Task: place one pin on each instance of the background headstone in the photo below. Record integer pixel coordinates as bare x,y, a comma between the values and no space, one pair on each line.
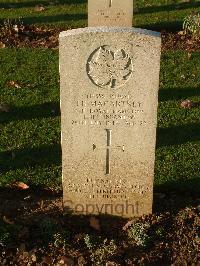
109,96
110,13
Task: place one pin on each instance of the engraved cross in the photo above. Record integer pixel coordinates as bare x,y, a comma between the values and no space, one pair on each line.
110,3
108,150
109,139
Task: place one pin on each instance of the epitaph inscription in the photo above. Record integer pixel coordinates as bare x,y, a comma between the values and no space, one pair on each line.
108,68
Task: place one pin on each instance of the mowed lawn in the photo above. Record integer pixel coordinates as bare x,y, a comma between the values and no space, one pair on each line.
30,132
29,84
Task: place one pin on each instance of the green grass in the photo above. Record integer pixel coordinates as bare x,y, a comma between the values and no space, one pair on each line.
178,149
153,14
30,132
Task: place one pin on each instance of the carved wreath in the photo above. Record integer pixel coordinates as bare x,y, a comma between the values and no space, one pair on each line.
108,69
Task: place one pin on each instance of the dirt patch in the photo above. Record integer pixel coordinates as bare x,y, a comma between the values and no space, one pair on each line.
34,231
25,205
36,37
180,41
28,36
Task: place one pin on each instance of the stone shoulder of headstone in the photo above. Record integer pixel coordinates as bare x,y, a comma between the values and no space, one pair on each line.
105,29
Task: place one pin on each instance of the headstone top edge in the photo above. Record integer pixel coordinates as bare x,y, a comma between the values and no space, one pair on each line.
108,29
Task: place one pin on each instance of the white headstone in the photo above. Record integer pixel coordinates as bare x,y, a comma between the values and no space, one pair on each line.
110,13
109,96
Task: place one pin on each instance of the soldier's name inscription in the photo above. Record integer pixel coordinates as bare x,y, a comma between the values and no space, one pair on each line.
112,109
106,15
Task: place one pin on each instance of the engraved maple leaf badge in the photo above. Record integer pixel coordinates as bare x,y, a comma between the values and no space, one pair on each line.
109,69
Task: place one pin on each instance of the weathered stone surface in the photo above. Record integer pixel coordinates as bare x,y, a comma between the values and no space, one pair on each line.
109,95
110,13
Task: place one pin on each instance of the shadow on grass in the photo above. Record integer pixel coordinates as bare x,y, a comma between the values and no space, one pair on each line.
13,192
50,19
171,7
28,4
31,157
51,155
178,93
177,135
190,187
45,110
166,25
13,5
178,194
